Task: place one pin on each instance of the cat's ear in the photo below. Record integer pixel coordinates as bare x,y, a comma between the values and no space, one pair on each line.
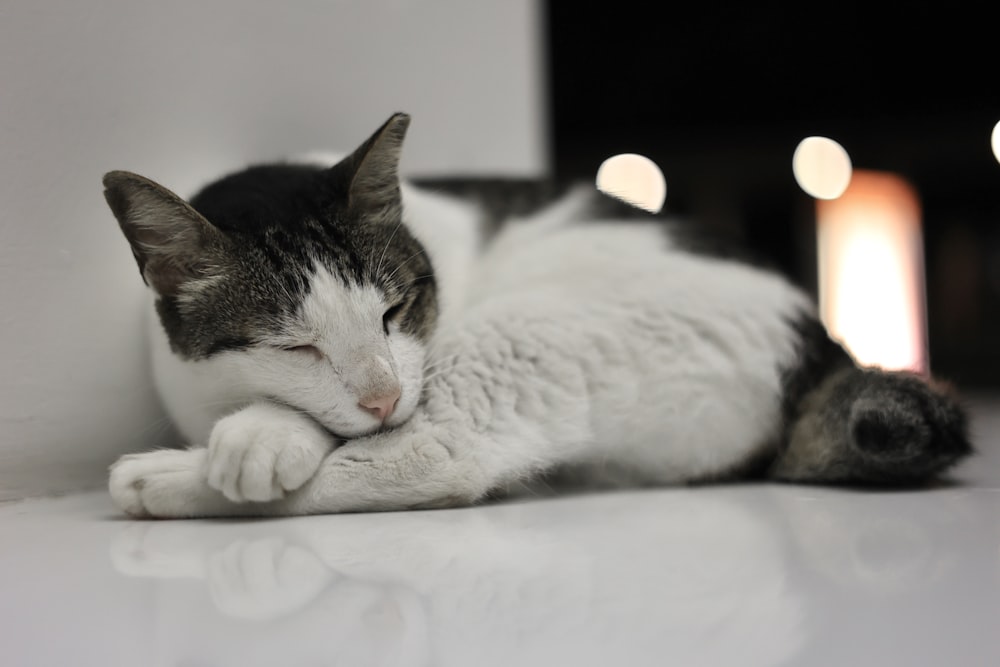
371,173
170,240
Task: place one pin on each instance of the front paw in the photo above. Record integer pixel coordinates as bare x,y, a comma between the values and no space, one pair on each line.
161,483
264,451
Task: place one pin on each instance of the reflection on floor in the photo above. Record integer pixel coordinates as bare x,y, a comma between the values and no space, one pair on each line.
736,575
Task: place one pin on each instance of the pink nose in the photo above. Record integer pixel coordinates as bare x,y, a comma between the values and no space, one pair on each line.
380,406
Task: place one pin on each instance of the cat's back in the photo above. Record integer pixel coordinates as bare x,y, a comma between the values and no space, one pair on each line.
583,248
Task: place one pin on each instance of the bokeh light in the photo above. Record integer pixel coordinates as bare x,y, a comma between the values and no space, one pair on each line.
995,141
634,179
822,167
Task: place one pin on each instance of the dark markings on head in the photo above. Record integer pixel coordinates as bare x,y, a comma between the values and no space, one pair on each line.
232,265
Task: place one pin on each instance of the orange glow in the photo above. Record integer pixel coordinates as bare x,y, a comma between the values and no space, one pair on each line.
871,272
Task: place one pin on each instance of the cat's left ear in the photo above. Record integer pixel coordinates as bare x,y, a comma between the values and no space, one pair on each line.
371,173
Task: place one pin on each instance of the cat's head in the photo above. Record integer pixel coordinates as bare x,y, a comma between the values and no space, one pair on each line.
297,284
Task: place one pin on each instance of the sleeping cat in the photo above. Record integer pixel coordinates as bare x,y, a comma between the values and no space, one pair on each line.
329,339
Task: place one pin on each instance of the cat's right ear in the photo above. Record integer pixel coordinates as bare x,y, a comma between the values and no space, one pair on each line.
169,239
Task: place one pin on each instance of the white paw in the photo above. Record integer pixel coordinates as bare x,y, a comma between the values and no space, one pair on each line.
264,578
162,483
264,451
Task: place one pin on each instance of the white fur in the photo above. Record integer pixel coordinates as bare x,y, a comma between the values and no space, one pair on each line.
594,347
345,323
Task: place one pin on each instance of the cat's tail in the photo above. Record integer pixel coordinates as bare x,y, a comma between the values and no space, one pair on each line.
869,426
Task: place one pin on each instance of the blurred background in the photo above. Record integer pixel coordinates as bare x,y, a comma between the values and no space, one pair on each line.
527,90
720,99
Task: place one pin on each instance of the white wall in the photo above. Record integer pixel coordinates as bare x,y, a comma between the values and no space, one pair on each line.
181,91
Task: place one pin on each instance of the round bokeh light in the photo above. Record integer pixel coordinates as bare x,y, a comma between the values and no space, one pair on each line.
995,141
822,167
635,179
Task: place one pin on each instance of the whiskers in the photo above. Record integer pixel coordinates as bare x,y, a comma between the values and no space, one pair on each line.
378,269
406,261
445,365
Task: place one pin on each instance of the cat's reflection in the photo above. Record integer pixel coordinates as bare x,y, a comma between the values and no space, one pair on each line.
678,577
662,577
877,543
261,594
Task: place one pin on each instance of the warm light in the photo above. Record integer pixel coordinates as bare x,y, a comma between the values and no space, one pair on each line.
995,141
871,274
634,179
822,167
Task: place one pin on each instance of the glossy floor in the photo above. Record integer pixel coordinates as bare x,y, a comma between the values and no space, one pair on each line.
738,575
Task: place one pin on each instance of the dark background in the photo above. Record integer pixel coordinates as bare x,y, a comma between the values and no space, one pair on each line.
720,99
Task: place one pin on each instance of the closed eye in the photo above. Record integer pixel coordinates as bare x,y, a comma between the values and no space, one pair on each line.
311,350
391,315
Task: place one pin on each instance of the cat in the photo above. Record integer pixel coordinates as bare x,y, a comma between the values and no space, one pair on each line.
331,339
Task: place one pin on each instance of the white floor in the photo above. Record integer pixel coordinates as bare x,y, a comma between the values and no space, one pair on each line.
739,575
